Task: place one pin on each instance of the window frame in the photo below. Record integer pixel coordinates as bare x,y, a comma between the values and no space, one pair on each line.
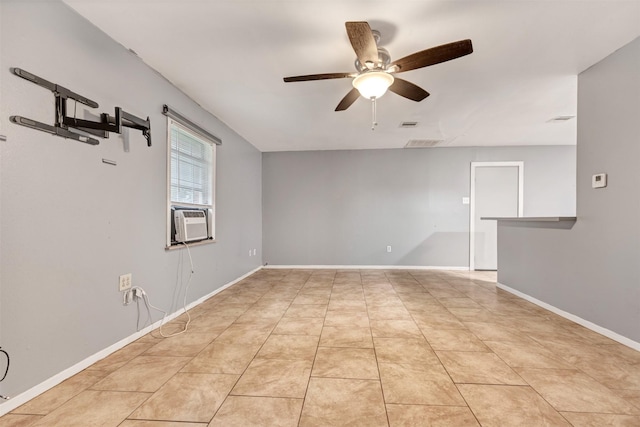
171,122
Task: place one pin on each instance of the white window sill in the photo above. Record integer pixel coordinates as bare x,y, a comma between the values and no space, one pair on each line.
191,245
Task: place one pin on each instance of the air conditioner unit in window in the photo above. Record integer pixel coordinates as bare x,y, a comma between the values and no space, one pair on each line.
190,225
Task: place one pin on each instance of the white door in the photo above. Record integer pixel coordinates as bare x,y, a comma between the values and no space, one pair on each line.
496,192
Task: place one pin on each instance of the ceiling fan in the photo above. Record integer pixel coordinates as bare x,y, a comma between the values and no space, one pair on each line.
375,71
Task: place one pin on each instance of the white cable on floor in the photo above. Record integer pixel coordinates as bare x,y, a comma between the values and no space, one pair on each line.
147,303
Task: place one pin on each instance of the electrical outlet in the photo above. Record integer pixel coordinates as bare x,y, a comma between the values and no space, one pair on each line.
388,248
125,282
254,252
249,252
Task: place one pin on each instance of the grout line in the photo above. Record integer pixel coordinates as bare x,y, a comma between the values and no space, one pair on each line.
375,354
313,362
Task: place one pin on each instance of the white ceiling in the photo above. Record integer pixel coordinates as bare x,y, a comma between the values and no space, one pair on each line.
231,55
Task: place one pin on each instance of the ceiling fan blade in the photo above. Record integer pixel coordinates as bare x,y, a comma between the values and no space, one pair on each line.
362,42
435,55
408,90
318,77
349,99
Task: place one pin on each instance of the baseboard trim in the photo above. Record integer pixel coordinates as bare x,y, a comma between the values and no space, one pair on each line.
579,320
37,390
363,267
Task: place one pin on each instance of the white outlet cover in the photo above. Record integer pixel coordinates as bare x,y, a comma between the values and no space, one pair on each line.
465,200
124,282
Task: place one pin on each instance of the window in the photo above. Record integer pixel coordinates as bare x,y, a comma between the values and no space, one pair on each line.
191,168
191,175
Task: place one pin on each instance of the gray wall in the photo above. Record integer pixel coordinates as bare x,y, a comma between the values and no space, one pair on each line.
345,207
70,225
593,269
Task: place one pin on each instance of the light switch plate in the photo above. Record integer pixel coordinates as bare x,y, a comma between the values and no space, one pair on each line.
599,180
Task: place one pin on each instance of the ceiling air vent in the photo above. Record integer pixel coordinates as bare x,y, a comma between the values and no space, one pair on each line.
408,124
422,143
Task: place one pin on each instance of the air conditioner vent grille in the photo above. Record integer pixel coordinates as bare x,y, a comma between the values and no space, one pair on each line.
190,225
193,214
408,124
422,143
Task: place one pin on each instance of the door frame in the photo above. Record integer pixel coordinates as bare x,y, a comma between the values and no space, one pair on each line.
472,200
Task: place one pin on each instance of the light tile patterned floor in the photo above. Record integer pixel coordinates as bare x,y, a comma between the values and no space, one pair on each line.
358,348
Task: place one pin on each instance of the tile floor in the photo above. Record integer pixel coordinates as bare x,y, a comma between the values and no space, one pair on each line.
357,348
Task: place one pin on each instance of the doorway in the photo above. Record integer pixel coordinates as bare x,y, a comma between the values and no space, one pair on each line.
496,191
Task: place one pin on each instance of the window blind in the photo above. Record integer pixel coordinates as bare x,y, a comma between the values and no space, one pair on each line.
191,167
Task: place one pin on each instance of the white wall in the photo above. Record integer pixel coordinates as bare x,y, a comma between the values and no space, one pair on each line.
592,270
70,225
345,207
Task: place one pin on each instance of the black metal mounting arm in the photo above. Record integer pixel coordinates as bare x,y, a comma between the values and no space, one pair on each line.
64,125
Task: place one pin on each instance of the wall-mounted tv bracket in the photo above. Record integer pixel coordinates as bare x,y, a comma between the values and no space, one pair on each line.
64,124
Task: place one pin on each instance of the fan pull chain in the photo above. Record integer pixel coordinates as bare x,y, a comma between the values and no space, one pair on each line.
374,122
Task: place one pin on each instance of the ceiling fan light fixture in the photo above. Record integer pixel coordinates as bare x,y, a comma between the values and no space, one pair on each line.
373,84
